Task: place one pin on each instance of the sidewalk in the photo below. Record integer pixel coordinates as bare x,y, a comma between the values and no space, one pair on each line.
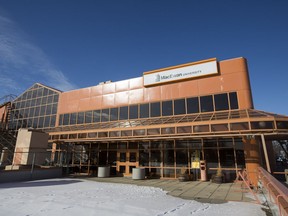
207,192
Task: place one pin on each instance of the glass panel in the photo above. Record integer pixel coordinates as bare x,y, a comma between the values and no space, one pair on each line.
123,113
227,158
262,125
66,119
168,157
155,109
112,158
282,125
105,115
132,157
123,157
184,129
47,121
170,130
144,158
206,103
133,145
221,102
181,158
96,115
61,120
155,158
133,112
88,117
144,110
167,108
233,100
153,131
179,107
193,105
73,118
122,145
54,108
80,118
239,126
169,173
114,114
49,109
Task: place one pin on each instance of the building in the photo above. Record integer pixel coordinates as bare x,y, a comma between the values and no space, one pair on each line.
166,121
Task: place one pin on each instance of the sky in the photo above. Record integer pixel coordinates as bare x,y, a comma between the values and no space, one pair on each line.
70,44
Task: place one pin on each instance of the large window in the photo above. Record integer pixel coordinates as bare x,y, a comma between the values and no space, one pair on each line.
206,103
36,108
221,102
193,105
167,108
155,109
133,112
179,107
144,110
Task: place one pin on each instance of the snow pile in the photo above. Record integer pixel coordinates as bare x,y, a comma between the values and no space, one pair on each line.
84,198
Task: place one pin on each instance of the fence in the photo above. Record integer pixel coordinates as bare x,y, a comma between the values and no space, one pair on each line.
276,193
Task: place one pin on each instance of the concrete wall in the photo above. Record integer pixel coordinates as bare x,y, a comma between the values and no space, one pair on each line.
30,141
26,175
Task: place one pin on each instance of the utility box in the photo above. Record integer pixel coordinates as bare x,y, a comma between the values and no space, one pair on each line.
203,171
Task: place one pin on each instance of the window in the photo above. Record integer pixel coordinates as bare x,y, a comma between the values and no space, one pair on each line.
133,112
193,105
179,107
73,118
233,100
105,115
221,102
88,117
155,109
123,113
206,103
167,108
144,110
96,115
80,118
114,114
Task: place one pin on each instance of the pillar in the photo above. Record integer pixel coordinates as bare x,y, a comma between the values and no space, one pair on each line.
252,158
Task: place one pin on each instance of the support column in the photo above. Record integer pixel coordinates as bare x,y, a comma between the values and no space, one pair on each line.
252,156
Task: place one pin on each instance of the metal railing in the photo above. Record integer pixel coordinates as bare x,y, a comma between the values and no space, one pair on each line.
276,193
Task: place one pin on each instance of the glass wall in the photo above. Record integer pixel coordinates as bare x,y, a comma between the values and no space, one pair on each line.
36,108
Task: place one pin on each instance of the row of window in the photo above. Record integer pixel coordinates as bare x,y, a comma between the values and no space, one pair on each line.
36,101
50,109
237,126
217,102
39,122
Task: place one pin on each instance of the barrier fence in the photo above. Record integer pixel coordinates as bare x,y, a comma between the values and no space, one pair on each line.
276,193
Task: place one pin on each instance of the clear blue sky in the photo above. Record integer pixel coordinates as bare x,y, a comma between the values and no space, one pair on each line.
71,44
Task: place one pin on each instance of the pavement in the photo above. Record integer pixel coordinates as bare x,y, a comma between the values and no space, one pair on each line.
207,192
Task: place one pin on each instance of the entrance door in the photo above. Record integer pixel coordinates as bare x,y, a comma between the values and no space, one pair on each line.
126,161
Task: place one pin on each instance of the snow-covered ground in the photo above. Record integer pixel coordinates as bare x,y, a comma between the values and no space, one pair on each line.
75,197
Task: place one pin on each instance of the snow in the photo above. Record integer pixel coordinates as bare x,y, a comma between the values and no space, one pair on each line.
76,197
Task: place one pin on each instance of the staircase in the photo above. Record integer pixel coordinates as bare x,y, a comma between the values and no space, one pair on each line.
7,137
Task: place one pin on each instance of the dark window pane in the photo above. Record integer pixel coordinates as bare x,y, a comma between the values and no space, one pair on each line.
105,115
66,119
42,110
123,113
167,108
206,103
44,100
53,121
50,99
133,112
40,123
88,117
73,118
114,114
49,109
233,100
61,120
54,108
37,111
80,118
155,109
55,99
179,107
221,102
144,110
47,121
96,115
193,105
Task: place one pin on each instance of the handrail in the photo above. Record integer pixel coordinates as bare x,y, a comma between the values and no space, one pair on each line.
276,189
